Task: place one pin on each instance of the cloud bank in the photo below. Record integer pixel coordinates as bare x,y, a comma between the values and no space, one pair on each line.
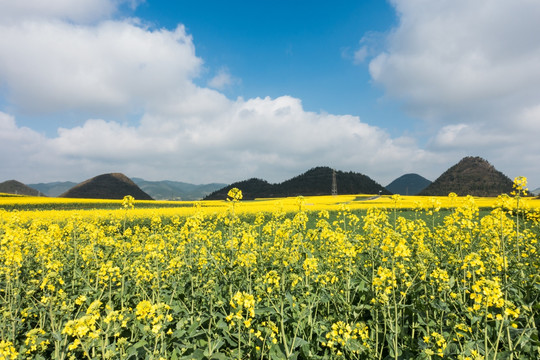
468,69
184,131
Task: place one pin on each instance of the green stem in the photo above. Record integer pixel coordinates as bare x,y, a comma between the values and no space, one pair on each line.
282,325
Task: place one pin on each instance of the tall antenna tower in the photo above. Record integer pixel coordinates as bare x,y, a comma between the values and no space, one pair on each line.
334,183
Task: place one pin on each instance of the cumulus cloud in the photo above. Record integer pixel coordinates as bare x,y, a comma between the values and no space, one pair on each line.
19,145
452,59
114,66
470,70
222,79
81,11
360,55
57,60
369,45
261,137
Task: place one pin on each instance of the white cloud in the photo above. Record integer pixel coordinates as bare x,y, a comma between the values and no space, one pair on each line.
369,45
470,70
81,11
222,79
528,119
115,66
450,59
361,54
54,60
19,146
268,138
474,137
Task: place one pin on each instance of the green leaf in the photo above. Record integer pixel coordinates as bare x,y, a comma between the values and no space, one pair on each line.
139,344
232,343
219,356
277,353
299,342
264,310
134,349
219,343
196,355
222,325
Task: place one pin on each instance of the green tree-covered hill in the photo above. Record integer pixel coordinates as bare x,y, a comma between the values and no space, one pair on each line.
316,181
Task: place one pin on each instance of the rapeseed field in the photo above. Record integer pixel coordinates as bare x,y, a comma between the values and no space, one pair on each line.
336,277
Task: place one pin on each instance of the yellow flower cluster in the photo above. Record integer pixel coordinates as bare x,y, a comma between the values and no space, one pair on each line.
268,331
35,341
436,344
342,335
384,282
7,350
440,279
244,304
128,202
235,194
520,186
310,266
109,273
86,324
156,315
271,282
473,355
473,264
487,293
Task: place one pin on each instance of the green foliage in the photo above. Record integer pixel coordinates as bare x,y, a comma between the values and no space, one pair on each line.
316,181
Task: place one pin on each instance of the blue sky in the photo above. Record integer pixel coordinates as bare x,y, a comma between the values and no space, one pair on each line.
213,91
304,49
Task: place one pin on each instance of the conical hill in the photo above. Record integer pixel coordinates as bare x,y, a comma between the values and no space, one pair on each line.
18,188
471,176
107,186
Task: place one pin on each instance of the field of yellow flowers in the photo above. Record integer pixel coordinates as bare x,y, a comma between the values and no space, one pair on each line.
351,277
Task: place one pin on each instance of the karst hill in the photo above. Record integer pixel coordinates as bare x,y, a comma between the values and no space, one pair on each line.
107,186
471,176
18,188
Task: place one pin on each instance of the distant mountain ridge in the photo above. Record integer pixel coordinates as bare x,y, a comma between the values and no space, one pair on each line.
408,184
470,176
316,181
107,186
53,188
176,190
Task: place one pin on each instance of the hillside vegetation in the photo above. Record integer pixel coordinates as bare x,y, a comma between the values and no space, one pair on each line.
18,188
471,176
316,181
107,186
408,184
